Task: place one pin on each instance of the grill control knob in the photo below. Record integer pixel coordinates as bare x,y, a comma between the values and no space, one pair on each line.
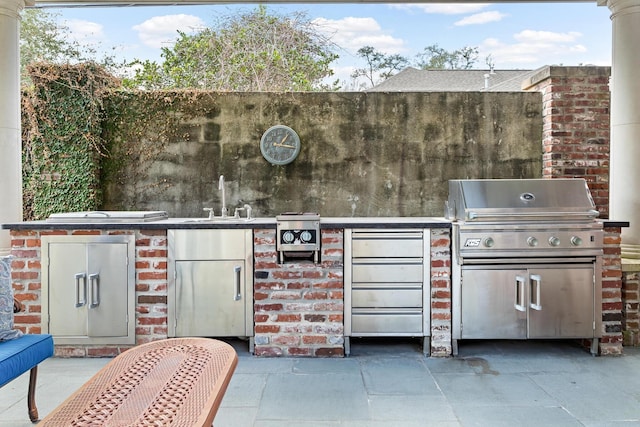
576,241
532,241
305,236
554,241
288,237
489,242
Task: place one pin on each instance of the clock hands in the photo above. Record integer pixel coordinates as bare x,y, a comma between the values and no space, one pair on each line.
282,144
276,144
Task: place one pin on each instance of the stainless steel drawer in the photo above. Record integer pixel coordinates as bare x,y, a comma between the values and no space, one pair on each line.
387,244
389,296
387,270
384,322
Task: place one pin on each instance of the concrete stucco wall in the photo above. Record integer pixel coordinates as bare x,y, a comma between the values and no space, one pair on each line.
363,154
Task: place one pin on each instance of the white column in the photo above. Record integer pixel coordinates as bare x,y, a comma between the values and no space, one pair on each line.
10,138
624,185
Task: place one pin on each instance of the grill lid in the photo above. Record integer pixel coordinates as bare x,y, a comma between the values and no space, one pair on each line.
520,200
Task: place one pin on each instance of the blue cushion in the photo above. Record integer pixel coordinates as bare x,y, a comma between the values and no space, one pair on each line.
19,355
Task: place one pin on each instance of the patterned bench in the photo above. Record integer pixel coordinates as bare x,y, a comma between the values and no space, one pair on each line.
177,381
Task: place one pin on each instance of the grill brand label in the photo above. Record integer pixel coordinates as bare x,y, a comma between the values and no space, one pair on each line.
472,243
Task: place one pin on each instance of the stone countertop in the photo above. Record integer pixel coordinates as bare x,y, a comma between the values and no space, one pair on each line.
203,223
269,222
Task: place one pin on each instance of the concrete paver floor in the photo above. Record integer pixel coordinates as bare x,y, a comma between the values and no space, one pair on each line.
390,383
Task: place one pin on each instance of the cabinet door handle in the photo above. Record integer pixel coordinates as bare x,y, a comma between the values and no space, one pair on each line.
94,280
536,284
81,282
237,269
519,305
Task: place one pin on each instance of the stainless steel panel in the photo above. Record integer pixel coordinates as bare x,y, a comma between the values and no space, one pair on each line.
207,302
65,261
107,216
386,322
387,270
387,295
397,245
502,199
528,301
88,289
488,304
565,306
107,301
208,244
210,289
473,240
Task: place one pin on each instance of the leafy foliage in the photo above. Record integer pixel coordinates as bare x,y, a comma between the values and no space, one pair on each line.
253,51
61,141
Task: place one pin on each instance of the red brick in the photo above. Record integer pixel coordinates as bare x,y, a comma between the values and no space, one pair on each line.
267,329
268,307
291,317
314,339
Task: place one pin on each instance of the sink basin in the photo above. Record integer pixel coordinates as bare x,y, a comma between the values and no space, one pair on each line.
219,219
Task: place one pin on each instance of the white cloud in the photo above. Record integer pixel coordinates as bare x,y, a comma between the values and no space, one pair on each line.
85,31
352,33
481,18
443,8
162,30
534,47
532,36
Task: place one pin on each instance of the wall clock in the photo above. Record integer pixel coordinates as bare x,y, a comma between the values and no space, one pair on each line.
280,145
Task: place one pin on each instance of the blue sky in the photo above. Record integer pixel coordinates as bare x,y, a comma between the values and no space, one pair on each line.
516,35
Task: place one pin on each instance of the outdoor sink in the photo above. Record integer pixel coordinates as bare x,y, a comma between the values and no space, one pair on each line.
219,219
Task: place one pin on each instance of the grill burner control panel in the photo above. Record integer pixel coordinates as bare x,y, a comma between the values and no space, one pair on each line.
524,240
298,235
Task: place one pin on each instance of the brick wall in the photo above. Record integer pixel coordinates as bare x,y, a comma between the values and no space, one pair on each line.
151,285
611,341
575,133
25,275
441,292
631,304
151,288
299,306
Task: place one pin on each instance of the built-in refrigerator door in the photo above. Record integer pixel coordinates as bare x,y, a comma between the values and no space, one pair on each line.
210,298
561,301
67,272
107,294
493,302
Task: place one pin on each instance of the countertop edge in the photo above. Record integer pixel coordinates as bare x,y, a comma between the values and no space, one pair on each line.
268,223
184,223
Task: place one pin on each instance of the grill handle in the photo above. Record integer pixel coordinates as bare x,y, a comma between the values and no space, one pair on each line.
473,215
519,304
536,283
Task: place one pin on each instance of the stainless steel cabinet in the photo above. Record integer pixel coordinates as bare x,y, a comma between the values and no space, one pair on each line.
88,289
385,275
210,283
535,301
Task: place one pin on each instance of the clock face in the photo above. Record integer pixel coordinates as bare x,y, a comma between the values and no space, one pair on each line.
280,145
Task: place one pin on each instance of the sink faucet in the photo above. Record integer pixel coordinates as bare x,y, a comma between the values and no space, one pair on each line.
224,198
245,208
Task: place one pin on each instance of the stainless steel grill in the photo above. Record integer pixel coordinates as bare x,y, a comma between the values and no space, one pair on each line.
527,260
